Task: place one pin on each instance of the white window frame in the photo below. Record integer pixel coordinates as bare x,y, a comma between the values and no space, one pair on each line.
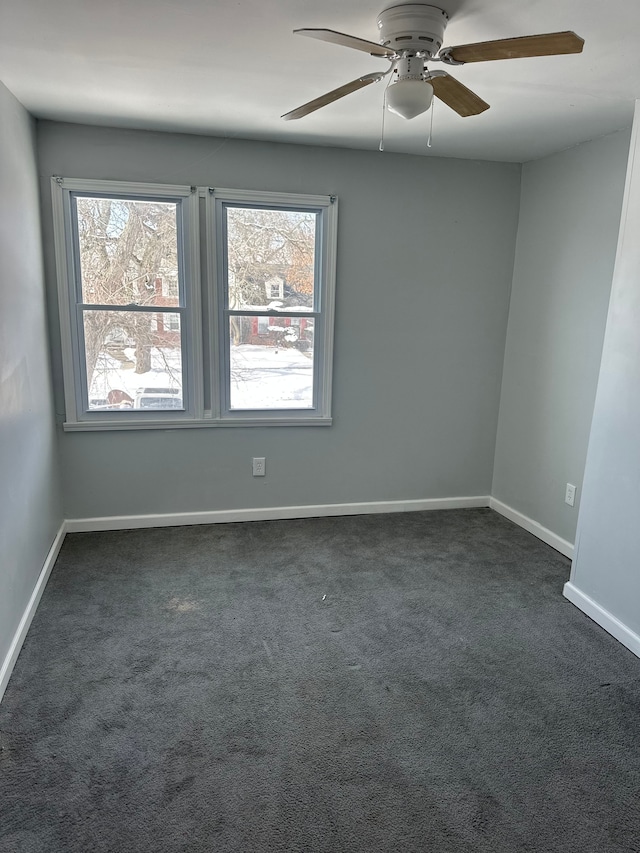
64,190
323,309
206,399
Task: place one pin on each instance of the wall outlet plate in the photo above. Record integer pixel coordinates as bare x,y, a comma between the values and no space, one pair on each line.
570,495
259,466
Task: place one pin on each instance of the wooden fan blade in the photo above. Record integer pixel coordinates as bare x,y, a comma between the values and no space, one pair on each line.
455,95
347,41
332,96
547,44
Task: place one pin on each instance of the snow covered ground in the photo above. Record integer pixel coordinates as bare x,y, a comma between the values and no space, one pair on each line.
261,377
271,378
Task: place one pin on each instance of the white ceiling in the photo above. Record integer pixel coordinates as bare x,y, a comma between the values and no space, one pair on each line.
232,68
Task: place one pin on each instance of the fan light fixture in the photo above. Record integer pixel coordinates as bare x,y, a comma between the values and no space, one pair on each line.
409,97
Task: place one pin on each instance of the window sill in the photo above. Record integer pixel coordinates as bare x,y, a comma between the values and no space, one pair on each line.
101,426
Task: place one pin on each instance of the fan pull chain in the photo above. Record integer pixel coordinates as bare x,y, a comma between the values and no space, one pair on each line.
384,110
430,137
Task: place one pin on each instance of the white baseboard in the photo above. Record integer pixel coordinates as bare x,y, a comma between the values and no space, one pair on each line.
534,527
29,613
128,522
603,618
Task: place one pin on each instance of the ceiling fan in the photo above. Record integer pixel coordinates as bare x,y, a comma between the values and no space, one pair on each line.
411,35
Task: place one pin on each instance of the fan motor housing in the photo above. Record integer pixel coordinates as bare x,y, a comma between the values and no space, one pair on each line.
413,28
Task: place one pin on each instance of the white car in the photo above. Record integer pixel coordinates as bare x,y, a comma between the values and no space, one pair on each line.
158,399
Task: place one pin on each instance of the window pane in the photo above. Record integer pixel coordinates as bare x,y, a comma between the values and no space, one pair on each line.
133,360
270,258
128,251
271,362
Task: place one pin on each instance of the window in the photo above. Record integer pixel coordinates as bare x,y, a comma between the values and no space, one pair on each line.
130,291
275,288
275,352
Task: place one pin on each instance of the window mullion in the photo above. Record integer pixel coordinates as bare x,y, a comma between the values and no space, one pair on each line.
239,313
159,309
215,318
191,283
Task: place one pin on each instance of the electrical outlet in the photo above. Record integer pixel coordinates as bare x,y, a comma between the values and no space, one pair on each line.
570,495
259,466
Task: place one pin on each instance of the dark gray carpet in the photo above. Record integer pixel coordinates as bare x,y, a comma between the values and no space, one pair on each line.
192,689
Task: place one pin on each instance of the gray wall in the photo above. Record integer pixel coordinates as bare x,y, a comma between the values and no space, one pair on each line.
569,219
607,565
30,508
425,259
